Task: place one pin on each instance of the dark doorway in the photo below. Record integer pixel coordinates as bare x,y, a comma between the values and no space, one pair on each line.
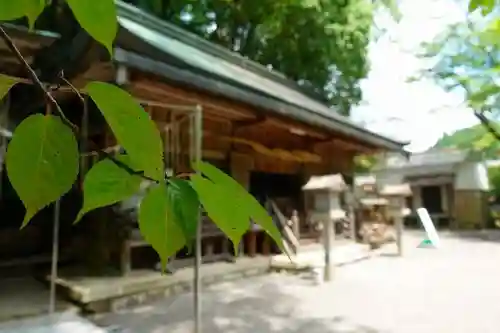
431,199
275,185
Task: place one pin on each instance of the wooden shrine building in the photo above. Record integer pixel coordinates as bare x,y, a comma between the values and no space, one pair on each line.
258,126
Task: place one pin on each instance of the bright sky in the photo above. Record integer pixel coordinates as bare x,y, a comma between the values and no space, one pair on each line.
410,111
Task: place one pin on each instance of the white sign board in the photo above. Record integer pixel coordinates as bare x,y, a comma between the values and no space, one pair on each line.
429,227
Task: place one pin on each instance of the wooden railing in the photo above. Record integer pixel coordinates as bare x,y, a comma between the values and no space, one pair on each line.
290,240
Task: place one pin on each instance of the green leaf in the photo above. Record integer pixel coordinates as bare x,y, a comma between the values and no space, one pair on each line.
486,6
186,207
479,98
34,10
11,10
107,183
6,82
222,208
42,162
98,18
245,202
158,225
132,127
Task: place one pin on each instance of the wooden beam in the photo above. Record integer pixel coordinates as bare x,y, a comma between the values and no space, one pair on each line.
241,124
341,143
298,127
145,86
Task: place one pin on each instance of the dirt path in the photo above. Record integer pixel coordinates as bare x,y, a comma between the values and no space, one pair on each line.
455,289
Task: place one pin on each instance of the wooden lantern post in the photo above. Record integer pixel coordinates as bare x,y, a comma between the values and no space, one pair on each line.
327,209
396,195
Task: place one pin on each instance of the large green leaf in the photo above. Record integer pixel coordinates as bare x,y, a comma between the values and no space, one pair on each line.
222,207
6,82
42,161
486,6
98,18
186,207
11,10
132,126
246,203
158,224
477,99
106,183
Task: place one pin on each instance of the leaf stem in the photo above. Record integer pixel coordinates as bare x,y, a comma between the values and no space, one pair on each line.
13,48
101,151
34,77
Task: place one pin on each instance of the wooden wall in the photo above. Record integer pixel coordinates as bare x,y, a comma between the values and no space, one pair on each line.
223,119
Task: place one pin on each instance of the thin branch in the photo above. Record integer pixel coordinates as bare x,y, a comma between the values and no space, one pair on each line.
12,47
487,124
71,86
102,152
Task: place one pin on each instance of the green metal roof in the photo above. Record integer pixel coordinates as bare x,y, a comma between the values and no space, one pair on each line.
274,92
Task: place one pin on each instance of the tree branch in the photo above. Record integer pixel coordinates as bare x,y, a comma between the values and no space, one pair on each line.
50,99
487,124
12,47
102,152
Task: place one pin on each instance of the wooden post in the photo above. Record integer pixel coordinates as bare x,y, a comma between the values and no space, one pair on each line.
396,195
398,221
209,247
328,239
295,220
125,258
241,165
266,245
327,210
252,243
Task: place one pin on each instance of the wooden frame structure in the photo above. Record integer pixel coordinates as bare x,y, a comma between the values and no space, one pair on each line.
253,120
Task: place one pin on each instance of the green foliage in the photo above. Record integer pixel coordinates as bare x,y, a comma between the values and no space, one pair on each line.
185,204
98,18
233,203
485,6
473,138
494,180
43,158
159,224
106,184
364,163
42,162
11,10
6,82
322,45
222,208
132,127
465,57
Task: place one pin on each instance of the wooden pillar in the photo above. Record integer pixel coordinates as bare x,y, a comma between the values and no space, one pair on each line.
396,194
329,236
241,165
417,198
398,221
125,257
444,199
251,243
266,245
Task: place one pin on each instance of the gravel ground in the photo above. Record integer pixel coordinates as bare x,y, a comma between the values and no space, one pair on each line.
454,289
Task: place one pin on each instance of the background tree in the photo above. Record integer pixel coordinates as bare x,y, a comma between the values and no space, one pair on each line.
476,138
321,45
465,58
